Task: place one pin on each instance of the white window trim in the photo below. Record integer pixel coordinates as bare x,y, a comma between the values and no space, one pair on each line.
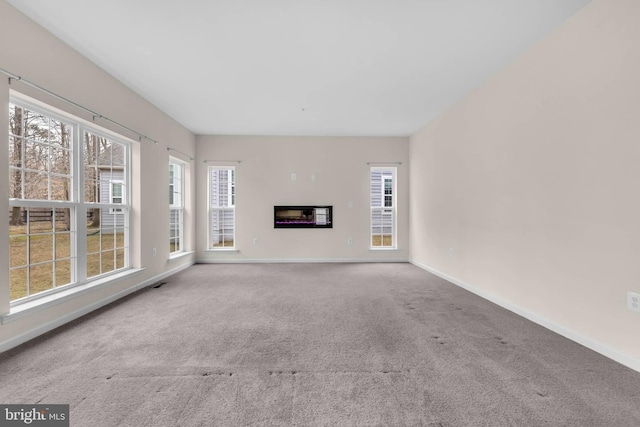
77,204
394,189
180,207
210,208
63,294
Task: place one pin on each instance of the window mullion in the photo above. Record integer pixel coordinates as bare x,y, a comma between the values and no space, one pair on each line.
80,214
52,131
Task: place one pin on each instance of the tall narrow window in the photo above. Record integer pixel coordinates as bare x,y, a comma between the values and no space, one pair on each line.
107,206
176,207
383,207
59,234
222,211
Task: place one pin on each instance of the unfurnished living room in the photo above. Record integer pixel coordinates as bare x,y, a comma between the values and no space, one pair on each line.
320,213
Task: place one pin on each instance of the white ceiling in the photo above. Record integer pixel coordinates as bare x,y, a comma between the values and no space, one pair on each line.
301,67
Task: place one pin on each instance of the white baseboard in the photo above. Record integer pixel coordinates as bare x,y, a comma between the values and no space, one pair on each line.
295,260
44,328
592,344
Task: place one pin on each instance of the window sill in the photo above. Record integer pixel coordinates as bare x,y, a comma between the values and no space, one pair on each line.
222,250
385,249
178,255
47,301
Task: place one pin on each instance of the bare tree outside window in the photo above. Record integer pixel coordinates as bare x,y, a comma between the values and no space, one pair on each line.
45,215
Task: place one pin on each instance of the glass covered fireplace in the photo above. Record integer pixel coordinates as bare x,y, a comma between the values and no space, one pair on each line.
302,216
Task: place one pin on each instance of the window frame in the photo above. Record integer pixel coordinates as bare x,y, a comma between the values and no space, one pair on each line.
76,204
231,207
382,208
173,207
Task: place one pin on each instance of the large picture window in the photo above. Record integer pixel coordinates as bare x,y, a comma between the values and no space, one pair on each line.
383,207
69,212
222,211
176,206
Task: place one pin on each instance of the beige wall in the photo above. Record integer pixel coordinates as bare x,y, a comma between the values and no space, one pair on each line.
533,180
26,49
525,191
263,179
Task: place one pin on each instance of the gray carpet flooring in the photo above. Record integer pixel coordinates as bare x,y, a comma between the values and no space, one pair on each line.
316,345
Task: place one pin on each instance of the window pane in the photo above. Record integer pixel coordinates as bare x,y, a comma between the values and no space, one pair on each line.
60,188
60,161
18,287
116,190
108,239
382,207
93,230
174,245
40,220
89,150
40,248
61,134
17,241
38,238
175,230
221,187
15,120
90,173
17,251
118,155
36,156
42,160
40,278
93,265
63,272
376,227
108,261
36,186
120,237
17,220
222,232
175,203
107,234
91,191
63,245
38,128
120,259
63,219
16,163
15,151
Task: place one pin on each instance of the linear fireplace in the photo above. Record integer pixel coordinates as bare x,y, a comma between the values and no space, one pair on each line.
303,217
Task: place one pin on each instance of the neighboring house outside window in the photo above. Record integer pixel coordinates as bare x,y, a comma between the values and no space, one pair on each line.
61,229
222,199
383,207
117,196
176,206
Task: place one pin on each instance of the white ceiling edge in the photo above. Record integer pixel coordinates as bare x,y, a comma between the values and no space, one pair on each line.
291,68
